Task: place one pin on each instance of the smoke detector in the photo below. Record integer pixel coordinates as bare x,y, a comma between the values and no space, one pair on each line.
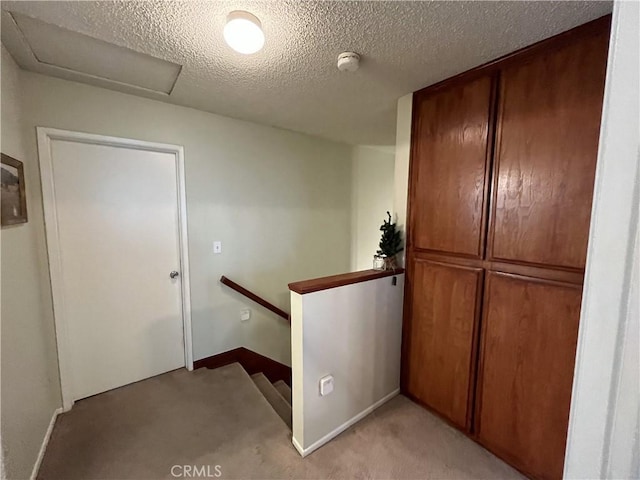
348,61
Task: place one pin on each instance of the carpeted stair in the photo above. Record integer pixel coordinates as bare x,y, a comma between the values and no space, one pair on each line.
204,417
278,395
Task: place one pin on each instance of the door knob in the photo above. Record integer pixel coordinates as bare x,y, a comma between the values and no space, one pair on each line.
173,274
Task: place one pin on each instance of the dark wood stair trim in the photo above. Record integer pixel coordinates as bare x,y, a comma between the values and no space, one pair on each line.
251,361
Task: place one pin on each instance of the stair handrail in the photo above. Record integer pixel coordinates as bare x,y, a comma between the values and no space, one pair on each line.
252,296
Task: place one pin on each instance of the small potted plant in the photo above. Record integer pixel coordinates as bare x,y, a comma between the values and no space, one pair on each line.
390,245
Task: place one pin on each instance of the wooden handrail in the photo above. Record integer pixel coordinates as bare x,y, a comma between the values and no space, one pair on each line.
325,283
252,296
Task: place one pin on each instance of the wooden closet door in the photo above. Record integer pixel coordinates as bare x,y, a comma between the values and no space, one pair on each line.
518,289
449,163
447,207
528,346
547,144
446,309
546,149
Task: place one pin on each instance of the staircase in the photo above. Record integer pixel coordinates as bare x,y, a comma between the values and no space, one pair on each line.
278,395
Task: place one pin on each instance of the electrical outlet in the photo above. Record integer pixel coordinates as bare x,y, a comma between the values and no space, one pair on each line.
245,315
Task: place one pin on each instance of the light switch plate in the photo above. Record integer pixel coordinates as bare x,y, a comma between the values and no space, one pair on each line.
217,246
326,385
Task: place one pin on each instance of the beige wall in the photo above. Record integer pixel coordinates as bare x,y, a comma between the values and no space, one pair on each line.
402,157
279,201
353,333
30,384
372,190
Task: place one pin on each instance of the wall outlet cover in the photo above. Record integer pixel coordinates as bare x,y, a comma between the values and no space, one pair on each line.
326,385
245,315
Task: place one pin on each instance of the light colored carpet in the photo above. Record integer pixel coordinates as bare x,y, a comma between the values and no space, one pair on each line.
284,389
274,397
219,417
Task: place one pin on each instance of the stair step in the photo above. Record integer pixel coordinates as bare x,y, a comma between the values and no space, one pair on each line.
274,397
284,389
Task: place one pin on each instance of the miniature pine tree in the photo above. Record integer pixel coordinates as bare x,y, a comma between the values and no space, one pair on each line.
391,241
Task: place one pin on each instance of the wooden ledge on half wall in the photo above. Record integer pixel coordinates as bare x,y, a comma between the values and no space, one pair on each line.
325,283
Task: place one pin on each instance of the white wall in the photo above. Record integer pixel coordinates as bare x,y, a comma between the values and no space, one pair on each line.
279,201
603,440
371,197
353,333
402,157
30,383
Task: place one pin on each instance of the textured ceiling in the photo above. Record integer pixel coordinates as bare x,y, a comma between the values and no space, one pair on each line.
293,82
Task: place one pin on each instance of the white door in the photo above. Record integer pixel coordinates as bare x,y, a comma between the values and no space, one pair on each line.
116,210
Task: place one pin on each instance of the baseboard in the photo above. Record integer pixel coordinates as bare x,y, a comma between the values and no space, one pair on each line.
334,433
251,361
219,360
298,447
45,442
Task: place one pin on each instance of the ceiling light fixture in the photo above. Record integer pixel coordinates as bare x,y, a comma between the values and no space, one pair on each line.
243,32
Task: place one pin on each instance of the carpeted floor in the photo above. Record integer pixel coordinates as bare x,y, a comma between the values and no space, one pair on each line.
210,418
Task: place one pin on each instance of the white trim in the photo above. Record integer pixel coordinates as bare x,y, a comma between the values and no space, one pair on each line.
298,447
45,136
45,442
604,316
337,431
184,260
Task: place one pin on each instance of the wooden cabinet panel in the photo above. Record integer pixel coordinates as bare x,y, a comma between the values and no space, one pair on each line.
449,168
529,335
444,311
547,145
507,151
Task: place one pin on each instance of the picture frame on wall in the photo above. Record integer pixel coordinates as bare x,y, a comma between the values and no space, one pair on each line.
13,192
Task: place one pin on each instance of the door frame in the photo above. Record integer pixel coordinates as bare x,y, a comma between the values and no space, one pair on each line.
45,136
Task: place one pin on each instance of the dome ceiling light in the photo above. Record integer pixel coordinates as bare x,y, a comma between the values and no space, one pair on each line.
243,32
